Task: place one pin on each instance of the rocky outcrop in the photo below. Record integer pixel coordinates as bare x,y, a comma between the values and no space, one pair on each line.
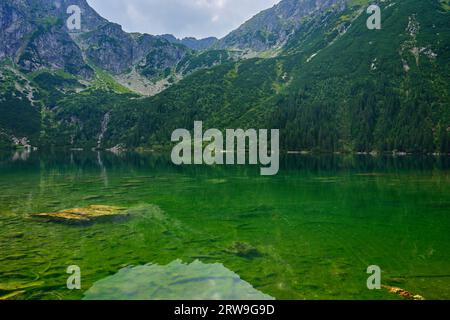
161,58
110,48
53,48
191,42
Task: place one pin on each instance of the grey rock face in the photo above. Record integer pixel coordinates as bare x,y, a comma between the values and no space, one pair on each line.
53,48
14,27
42,9
34,34
110,48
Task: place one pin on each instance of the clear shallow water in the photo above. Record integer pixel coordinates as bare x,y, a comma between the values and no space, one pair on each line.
308,233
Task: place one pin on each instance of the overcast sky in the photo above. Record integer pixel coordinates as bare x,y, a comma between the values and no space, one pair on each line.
182,18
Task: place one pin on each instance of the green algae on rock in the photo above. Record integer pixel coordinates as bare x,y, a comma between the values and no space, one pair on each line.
87,214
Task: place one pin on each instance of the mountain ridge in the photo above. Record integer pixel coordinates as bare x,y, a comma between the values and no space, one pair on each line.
191,42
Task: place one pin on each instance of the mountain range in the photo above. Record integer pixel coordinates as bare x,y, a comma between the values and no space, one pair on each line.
309,67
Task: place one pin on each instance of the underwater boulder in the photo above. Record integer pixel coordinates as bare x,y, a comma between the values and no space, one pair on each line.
87,214
175,281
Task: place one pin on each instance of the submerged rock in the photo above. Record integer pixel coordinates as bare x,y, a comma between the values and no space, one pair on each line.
175,281
84,215
244,250
403,293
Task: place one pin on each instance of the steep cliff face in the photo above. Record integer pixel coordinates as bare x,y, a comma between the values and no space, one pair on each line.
19,19
15,27
116,51
52,47
109,47
35,36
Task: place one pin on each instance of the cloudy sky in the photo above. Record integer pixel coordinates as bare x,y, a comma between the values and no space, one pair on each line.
183,18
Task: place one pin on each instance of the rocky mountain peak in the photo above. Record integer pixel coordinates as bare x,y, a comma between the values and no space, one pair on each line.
271,28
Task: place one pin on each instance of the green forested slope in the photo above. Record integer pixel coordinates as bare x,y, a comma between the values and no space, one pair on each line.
385,90
338,86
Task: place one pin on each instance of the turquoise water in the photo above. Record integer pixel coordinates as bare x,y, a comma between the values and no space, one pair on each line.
308,233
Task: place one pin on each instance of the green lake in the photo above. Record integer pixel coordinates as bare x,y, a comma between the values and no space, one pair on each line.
310,232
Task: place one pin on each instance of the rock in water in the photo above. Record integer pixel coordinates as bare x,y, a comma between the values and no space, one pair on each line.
175,281
87,214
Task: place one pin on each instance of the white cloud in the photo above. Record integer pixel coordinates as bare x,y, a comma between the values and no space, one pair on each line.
183,18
